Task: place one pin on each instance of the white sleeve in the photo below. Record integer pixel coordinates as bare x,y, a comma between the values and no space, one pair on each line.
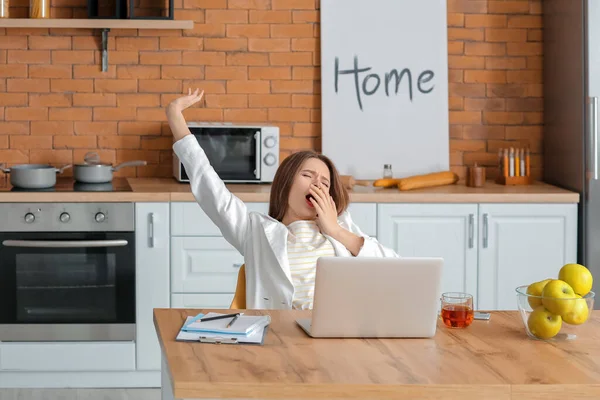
226,210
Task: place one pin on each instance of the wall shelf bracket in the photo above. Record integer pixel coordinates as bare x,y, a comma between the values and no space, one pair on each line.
105,49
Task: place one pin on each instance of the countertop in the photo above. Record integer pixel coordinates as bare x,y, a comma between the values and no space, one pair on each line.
492,359
166,189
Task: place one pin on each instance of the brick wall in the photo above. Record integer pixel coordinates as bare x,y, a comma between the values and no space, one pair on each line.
257,60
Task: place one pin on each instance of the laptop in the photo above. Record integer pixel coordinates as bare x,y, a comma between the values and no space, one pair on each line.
375,297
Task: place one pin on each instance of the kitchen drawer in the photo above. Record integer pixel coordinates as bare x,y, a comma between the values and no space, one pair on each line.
188,219
68,356
203,265
365,216
201,300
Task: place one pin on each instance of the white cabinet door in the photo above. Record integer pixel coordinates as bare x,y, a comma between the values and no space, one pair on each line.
188,219
435,230
152,278
521,244
204,265
364,215
201,300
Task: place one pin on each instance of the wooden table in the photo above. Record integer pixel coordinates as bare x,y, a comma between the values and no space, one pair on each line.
489,360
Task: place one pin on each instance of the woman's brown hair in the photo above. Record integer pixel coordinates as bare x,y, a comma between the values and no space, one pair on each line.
284,178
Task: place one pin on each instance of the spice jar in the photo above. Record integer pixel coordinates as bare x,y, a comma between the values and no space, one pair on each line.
475,176
387,171
4,6
39,8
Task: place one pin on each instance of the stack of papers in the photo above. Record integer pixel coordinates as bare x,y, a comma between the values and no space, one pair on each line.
246,329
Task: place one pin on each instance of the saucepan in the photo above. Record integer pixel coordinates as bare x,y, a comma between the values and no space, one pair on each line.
94,171
33,176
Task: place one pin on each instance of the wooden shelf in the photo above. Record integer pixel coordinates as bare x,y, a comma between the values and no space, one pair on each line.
95,23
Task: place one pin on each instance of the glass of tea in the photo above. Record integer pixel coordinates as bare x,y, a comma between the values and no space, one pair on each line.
457,309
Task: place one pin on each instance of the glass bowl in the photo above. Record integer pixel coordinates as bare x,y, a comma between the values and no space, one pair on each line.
552,318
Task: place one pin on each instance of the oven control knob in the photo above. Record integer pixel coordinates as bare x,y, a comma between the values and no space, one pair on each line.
29,218
100,217
269,142
65,217
270,159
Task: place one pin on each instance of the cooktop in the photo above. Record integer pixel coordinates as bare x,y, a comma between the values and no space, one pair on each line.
69,185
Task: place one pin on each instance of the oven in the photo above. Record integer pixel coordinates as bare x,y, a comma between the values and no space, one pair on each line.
67,272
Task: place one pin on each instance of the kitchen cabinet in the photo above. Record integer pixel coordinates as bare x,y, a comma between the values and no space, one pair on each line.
521,244
435,230
488,249
152,244
201,300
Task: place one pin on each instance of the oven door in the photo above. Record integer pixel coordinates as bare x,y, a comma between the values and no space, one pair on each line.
67,286
233,152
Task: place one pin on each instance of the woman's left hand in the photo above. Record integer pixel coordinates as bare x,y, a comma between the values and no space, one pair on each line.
326,210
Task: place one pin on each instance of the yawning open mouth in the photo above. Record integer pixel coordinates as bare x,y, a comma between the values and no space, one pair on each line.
308,197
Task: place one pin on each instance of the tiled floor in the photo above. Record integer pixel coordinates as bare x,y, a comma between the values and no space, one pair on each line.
80,394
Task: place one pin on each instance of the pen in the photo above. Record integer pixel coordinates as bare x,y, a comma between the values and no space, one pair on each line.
232,321
219,317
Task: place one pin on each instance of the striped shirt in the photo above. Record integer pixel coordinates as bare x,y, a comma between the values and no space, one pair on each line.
305,245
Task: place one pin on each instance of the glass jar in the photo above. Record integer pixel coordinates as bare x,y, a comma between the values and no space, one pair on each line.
4,6
39,8
387,171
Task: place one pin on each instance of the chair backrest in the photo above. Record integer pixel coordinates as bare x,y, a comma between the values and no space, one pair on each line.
239,299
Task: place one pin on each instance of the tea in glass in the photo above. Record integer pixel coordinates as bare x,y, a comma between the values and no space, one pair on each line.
457,310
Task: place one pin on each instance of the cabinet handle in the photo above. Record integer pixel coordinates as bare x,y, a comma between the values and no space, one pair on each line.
237,265
471,228
485,231
151,230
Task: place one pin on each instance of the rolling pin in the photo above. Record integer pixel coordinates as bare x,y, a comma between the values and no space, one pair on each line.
349,182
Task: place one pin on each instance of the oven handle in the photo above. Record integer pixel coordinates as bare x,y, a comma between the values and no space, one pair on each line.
258,155
65,243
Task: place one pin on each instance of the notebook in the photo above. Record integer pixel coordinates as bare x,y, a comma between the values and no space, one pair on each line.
255,337
243,325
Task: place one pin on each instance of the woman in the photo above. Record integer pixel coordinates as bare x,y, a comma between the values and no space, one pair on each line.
307,219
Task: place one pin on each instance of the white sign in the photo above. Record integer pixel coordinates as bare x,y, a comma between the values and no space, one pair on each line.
384,76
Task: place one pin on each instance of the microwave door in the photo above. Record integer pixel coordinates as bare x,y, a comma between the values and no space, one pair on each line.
258,155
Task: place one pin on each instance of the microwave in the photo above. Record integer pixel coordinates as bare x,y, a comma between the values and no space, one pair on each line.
238,153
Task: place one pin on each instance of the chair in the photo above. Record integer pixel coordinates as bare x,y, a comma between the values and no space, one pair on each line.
239,299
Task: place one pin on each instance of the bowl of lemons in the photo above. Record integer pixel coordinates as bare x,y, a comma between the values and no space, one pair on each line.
555,309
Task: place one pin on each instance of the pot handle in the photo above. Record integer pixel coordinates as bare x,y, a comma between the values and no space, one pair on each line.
5,170
129,164
61,169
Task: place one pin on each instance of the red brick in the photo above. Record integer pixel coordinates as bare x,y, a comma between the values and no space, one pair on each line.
156,143
116,85
250,4
94,71
227,73
298,143
13,99
73,56
480,76
139,71
95,128
30,142
466,62
13,42
119,142
227,16
28,56
289,114
247,59
226,44
205,4
494,104
525,21
502,118
456,19
293,4
295,86
535,62
455,103
249,87
70,114
208,30
535,35
492,63
137,100
226,100
465,34
121,57
51,128
534,76
139,128
485,49
160,86
306,100
269,45
507,90
249,115
161,57
196,15
13,71
456,47
524,132
465,117
307,129
94,99
305,44
181,43
3,145
25,113
49,71
248,30
526,104
535,7
292,30
270,73
483,132
524,49
114,113
305,16
28,85
136,43
467,145
204,114
505,35
455,76
215,87
151,156
75,142
182,72
295,58
270,100
270,17
508,7
151,114
72,85
92,43
49,43
303,73
485,21
203,58
50,100
53,157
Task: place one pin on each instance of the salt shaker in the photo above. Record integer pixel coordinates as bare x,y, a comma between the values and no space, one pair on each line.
387,171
